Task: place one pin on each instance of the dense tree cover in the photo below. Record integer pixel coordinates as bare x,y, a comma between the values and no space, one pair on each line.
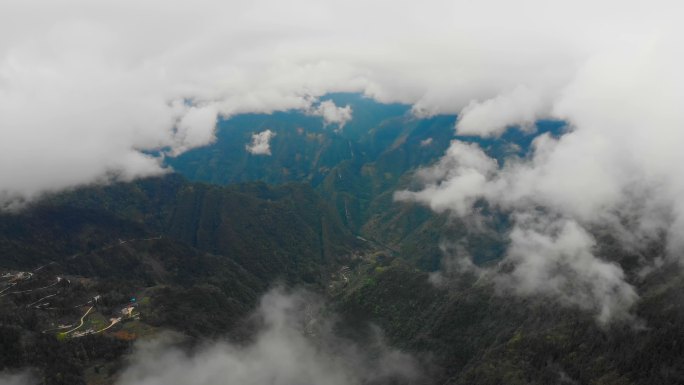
479,337
202,279
197,256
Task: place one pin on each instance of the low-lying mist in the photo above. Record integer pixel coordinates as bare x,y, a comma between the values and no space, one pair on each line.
296,343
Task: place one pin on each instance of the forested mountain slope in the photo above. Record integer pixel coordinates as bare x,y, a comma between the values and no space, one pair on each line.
197,257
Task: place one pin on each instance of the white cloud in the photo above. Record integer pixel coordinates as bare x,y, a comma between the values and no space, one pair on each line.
463,173
261,143
195,128
617,170
521,106
331,113
84,88
554,258
296,345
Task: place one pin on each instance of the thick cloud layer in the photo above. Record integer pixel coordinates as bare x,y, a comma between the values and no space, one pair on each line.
85,87
296,346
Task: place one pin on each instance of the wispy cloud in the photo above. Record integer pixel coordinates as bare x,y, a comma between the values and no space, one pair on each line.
615,169
296,345
21,378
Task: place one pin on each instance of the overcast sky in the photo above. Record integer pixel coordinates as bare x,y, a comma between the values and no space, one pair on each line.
85,86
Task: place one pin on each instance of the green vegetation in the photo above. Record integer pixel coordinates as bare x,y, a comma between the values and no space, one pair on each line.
479,337
356,170
196,256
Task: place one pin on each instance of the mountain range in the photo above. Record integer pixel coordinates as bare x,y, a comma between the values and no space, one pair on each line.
193,252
